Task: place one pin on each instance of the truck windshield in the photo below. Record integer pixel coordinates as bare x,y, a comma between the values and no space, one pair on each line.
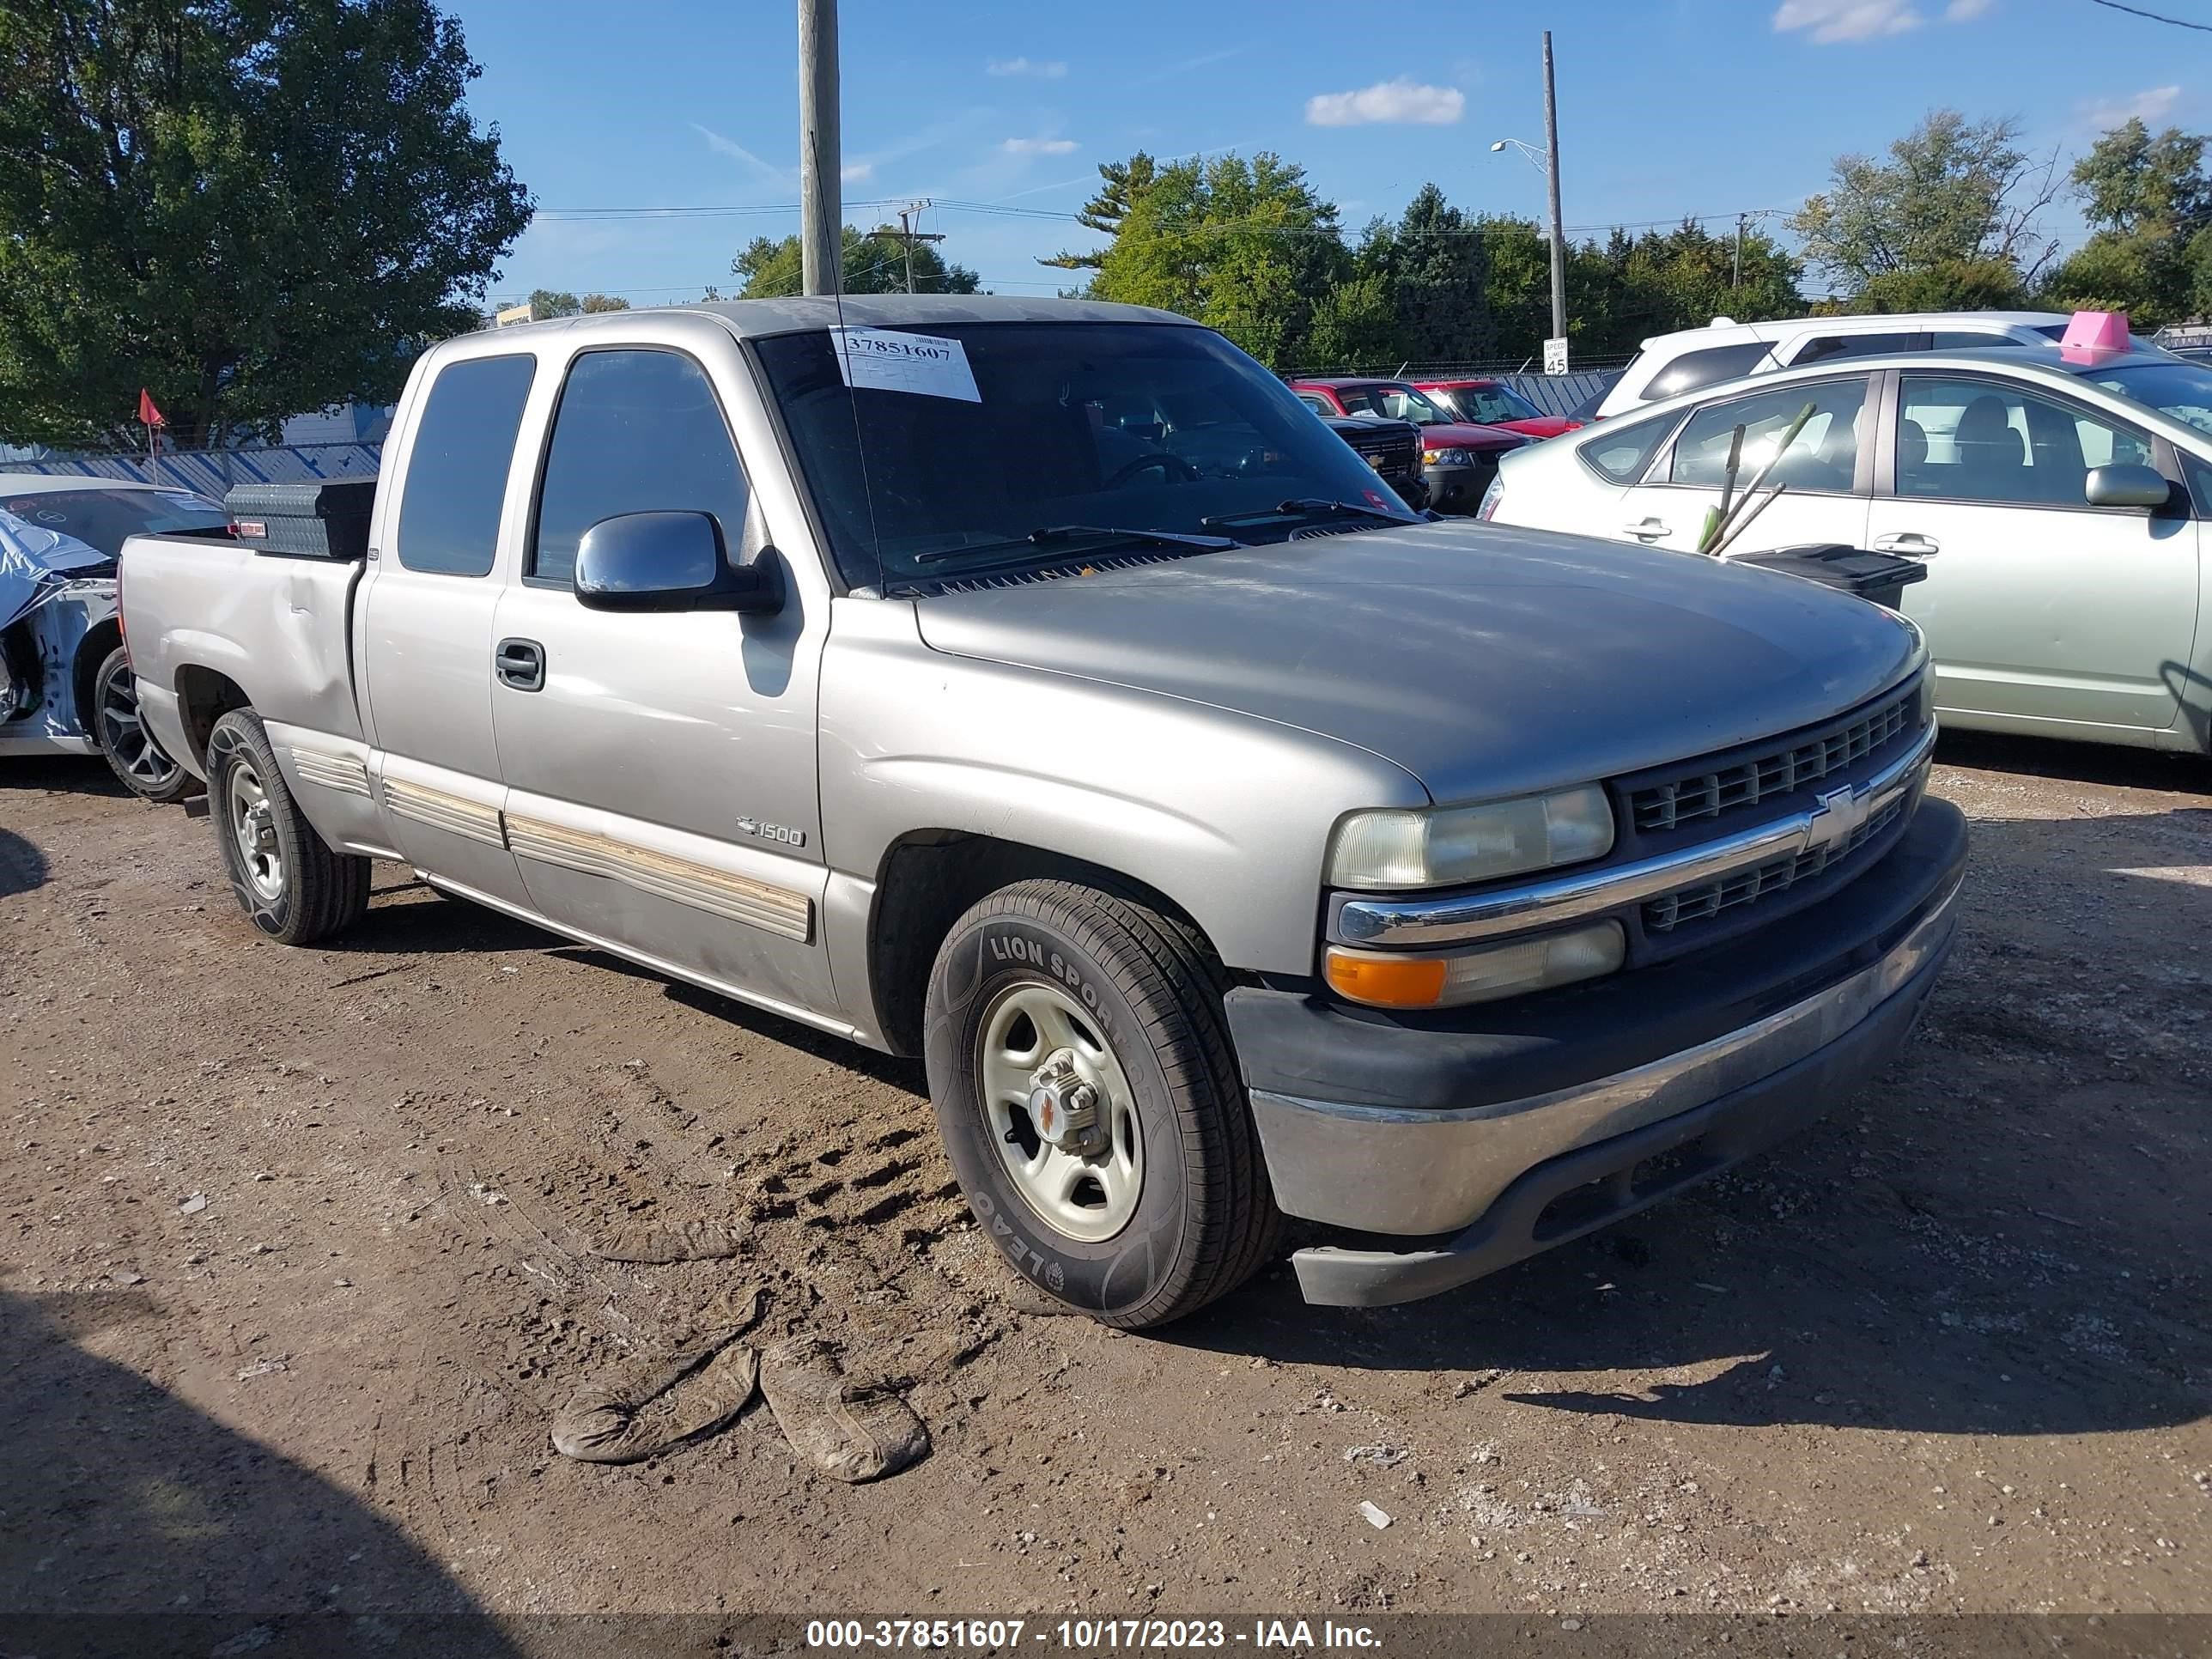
964,445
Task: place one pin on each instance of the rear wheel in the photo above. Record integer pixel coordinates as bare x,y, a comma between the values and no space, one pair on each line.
1080,1067
287,877
142,765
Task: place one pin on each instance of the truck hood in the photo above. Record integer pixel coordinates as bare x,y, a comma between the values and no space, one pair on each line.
1467,434
1484,660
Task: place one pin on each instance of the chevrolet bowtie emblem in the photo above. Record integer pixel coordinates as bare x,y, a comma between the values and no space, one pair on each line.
1836,814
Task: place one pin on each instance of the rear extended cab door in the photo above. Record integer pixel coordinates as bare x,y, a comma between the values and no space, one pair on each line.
448,516
661,766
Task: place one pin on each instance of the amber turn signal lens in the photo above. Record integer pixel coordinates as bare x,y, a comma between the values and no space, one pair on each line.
1386,982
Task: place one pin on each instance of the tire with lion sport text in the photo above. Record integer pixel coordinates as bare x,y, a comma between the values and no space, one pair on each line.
1087,1095
288,881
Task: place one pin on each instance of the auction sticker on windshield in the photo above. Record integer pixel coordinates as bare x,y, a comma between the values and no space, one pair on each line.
888,360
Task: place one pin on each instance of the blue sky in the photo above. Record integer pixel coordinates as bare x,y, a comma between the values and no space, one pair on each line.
1667,107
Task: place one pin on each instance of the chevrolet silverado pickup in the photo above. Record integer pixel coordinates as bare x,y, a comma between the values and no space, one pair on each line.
1039,689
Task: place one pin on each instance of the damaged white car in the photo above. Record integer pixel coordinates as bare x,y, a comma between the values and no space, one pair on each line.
65,681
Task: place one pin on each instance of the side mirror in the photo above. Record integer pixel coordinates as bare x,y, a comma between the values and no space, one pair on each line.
670,561
2126,484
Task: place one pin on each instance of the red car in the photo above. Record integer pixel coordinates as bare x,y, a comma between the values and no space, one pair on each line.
1458,457
1495,404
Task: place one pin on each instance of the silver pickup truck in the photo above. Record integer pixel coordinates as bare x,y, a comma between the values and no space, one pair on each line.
1038,688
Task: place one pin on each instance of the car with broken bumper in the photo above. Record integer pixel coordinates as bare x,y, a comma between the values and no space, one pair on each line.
65,681
1231,844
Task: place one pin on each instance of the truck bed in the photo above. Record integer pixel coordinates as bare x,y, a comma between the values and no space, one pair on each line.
279,629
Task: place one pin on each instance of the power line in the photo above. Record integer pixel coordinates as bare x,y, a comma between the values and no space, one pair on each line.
2137,11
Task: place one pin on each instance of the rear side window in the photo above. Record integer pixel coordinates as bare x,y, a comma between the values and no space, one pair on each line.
1621,451
638,431
458,463
1708,368
1826,346
1823,453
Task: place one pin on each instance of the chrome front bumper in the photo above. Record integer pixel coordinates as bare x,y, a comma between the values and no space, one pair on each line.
1493,1173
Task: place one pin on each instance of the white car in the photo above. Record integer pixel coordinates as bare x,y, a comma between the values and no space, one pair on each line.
2058,499
1668,365
65,681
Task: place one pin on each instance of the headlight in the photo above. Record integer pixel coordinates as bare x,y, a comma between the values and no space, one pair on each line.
1381,979
1928,694
1449,846
1448,458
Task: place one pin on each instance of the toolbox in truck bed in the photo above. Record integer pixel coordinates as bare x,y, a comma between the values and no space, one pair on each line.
319,521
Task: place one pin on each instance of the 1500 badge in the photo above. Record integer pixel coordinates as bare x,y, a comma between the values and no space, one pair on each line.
774,832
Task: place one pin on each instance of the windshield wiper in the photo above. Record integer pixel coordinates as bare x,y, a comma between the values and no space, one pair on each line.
1305,507
1052,535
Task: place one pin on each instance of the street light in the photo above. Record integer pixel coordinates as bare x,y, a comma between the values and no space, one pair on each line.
1546,161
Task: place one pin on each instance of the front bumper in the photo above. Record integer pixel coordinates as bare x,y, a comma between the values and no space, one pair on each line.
1481,1138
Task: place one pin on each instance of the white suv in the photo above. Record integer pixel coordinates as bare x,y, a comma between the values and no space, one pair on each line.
1668,365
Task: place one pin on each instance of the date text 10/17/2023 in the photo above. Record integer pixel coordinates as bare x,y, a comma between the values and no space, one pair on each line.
1084,1635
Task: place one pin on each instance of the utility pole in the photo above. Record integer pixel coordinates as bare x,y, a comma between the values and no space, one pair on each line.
1735,276
1558,231
910,235
821,214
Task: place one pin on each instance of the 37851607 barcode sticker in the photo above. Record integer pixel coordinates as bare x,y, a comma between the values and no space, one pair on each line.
891,359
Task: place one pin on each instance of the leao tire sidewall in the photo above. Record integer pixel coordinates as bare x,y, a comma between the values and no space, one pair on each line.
1116,1275
232,741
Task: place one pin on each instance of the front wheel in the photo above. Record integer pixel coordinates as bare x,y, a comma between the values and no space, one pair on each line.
1081,1072
144,768
286,878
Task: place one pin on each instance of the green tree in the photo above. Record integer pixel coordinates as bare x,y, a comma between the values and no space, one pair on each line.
874,263
1435,266
2151,254
1954,198
252,208
598,302
552,302
1244,246
1121,183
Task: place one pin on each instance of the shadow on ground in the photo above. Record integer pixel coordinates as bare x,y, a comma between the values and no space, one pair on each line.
160,1530
22,865
83,775
2102,764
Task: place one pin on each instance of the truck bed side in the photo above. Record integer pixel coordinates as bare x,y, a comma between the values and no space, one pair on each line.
214,625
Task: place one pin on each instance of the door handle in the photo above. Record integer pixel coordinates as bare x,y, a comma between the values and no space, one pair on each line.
1907,544
1646,529
520,663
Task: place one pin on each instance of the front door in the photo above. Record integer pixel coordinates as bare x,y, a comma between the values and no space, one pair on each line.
1823,473
427,628
2038,606
661,768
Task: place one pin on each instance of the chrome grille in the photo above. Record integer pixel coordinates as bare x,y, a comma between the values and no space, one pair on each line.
1670,910
1792,765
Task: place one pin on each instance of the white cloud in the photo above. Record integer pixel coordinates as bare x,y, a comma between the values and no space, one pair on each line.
1832,21
737,152
1187,66
1039,147
1965,11
2151,103
1393,103
1052,71
857,172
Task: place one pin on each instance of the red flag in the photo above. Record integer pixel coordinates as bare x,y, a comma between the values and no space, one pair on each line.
147,415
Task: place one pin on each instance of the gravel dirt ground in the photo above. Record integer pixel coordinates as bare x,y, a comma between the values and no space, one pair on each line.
296,1273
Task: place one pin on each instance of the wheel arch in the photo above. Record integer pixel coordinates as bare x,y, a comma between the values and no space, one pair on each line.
928,878
99,639
205,696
